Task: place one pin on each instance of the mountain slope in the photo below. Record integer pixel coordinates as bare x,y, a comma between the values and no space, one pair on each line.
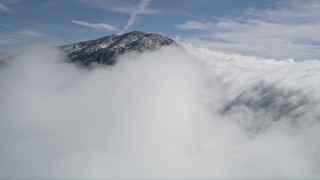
105,50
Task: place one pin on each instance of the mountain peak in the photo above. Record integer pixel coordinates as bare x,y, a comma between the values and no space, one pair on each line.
105,50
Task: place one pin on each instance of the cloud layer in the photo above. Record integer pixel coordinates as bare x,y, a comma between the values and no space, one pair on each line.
160,114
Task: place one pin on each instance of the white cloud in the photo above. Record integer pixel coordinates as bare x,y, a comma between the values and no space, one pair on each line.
121,6
97,26
21,36
5,40
290,11
162,114
124,7
4,5
30,33
191,25
290,31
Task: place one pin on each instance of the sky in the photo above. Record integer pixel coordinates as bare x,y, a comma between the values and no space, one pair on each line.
280,29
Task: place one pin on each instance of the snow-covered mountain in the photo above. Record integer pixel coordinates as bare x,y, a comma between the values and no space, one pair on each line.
105,50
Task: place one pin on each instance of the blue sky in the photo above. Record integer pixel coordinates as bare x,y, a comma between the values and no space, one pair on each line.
266,28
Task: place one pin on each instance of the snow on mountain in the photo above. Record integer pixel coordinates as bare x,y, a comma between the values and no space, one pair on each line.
105,50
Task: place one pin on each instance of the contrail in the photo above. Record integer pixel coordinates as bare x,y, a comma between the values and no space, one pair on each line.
136,11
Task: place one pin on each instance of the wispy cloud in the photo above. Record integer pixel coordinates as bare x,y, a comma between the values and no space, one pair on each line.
96,26
4,25
124,7
5,5
21,36
30,33
5,8
289,31
124,10
140,9
121,6
194,25
6,40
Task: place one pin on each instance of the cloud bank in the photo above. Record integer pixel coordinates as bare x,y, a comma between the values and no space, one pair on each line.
163,114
